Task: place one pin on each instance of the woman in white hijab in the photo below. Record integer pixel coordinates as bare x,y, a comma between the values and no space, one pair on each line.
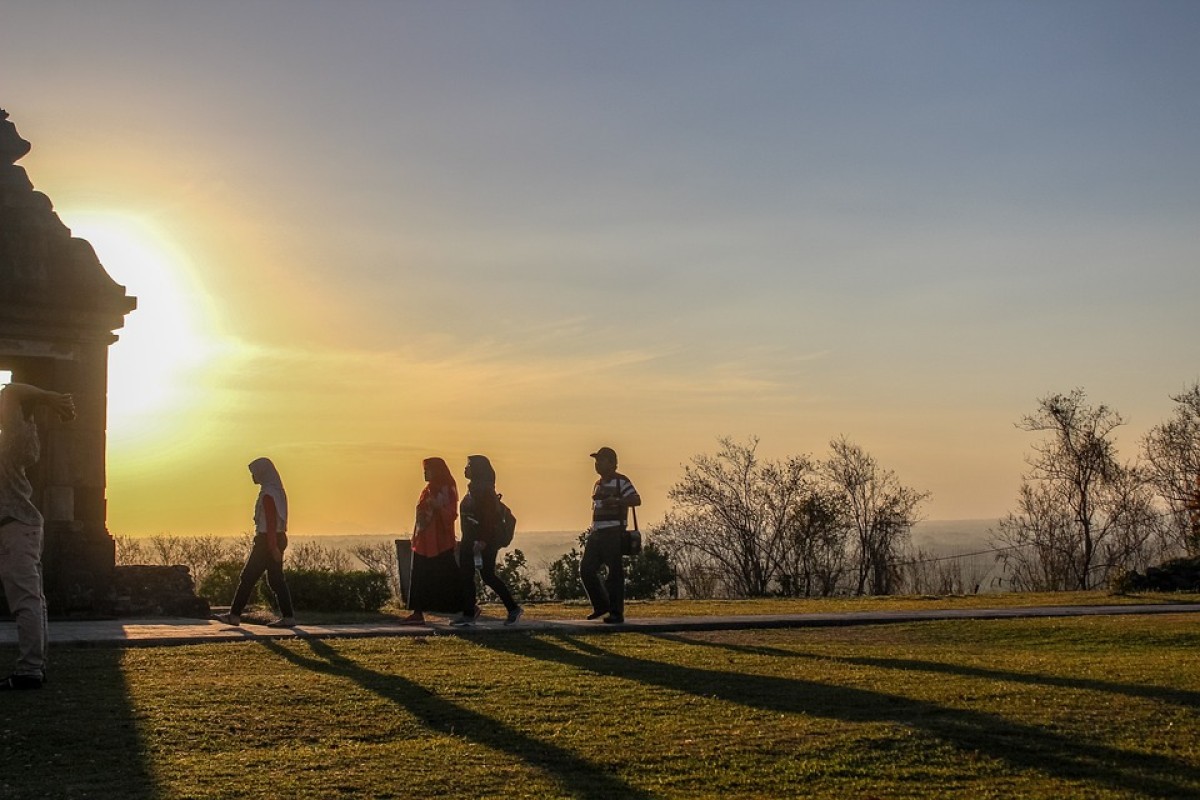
266,555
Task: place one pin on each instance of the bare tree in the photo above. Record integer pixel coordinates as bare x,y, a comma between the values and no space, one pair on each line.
200,554
1082,514
816,561
129,550
927,573
313,556
1038,543
699,575
380,557
738,515
880,513
166,549
1172,452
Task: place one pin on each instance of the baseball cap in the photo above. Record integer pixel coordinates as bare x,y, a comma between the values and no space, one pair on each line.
605,452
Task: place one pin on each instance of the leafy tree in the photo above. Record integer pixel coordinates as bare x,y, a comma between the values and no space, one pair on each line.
513,569
879,512
1172,452
565,583
649,574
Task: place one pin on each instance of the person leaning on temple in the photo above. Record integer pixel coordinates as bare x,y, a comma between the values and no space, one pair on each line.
21,526
612,497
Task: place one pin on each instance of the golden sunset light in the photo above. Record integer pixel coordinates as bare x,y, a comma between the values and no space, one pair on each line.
153,373
437,238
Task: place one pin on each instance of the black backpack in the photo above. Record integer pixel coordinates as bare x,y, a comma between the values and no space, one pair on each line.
506,524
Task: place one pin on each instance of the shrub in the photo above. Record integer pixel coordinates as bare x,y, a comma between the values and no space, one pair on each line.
1176,575
340,590
512,569
649,574
564,574
219,584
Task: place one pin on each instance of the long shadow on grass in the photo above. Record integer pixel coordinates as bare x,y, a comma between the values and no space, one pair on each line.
576,776
78,736
1022,746
1180,697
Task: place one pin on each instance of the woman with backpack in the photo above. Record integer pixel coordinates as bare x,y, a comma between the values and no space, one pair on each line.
435,580
480,513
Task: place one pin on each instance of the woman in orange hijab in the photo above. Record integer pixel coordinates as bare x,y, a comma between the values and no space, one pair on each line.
435,581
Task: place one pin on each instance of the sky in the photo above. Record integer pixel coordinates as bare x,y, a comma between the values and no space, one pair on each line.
363,232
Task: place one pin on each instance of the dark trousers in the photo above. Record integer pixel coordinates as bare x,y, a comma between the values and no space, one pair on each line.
257,563
603,549
466,570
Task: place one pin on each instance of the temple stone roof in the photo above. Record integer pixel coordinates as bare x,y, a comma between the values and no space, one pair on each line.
44,270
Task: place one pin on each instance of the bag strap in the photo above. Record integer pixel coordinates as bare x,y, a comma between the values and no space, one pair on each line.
635,523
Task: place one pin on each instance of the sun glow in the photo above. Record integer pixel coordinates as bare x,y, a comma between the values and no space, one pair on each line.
167,340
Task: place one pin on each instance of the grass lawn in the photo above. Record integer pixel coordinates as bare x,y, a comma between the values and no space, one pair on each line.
1058,708
777,605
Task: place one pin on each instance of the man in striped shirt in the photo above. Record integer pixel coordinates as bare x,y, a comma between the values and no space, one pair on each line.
612,497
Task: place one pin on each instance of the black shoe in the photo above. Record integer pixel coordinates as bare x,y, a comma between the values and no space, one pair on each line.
613,619
20,682
597,614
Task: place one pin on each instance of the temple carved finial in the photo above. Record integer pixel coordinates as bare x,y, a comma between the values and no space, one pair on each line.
12,146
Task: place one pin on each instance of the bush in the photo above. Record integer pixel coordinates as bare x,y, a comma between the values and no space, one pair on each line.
219,584
649,574
564,574
311,589
341,590
1176,575
512,569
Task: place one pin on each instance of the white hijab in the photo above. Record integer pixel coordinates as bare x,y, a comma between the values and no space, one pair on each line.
269,483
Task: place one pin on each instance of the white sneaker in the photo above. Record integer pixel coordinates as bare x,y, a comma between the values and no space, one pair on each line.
229,619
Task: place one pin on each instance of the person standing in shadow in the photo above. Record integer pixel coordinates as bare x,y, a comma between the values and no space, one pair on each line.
612,497
21,526
480,514
435,582
266,554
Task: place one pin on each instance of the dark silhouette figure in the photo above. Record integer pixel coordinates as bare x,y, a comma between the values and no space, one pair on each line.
21,526
612,497
480,514
266,554
436,584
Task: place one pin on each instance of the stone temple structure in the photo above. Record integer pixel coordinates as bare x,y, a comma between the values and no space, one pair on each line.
58,311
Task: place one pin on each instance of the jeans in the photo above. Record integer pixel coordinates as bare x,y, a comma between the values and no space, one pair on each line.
257,563
602,548
466,569
21,572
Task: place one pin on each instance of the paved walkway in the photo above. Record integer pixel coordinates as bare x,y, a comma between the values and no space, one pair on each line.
165,631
